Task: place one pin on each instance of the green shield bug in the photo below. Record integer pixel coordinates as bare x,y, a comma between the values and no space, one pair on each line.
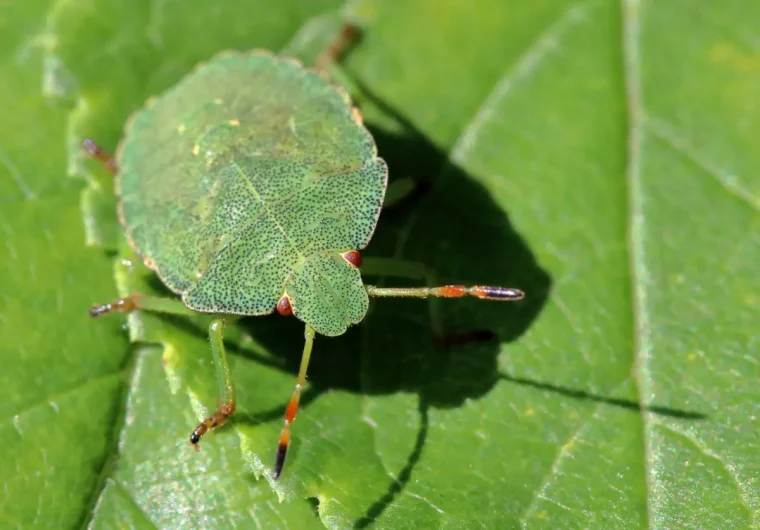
249,187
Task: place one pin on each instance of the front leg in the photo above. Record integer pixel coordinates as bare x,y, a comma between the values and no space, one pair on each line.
143,302
226,391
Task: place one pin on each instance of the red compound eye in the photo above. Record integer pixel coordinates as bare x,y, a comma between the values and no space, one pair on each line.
283,306
353,257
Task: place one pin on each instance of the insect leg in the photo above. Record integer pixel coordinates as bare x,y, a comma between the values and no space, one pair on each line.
414,270
139,301
337,47
96,152
327,61
484,292
292,408
411,269
226,390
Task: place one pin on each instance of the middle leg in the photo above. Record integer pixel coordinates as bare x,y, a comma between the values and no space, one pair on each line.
225,388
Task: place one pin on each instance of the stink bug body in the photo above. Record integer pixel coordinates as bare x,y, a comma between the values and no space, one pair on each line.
249,187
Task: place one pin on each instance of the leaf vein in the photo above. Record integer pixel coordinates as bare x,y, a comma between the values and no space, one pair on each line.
526,65
520,70
729,181
641,327
552,471
53,398
18,178
131,498
702,448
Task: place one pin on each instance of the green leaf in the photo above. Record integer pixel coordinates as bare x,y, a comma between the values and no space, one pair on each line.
160,482
62,379
596,155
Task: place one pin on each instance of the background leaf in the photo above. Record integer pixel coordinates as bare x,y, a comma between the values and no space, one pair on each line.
62,379
597,155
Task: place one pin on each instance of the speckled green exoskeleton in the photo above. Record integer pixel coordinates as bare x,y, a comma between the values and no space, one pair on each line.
249,187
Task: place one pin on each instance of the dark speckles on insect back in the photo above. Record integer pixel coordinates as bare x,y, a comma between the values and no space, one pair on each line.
259,186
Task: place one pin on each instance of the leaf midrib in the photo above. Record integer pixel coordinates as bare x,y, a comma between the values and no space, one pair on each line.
636,245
